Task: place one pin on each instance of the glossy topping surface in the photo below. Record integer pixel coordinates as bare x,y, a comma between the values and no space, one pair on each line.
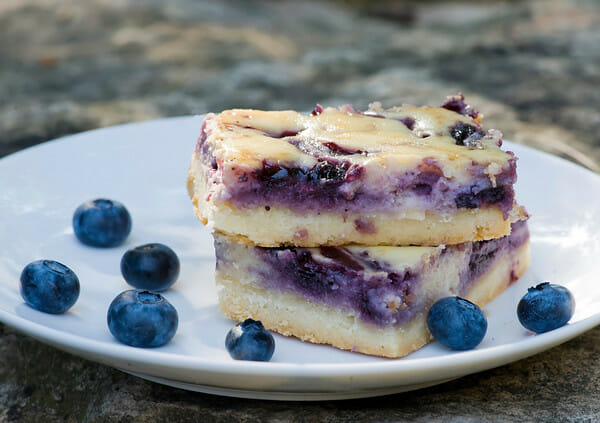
400,136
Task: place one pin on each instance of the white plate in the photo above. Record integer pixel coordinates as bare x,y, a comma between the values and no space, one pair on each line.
144,165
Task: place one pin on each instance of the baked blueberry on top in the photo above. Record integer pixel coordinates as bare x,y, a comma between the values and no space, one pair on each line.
398,176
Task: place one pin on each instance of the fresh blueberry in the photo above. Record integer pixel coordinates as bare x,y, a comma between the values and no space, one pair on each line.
101,223
545,307
457,323
49,286
249,340
151,266
142,319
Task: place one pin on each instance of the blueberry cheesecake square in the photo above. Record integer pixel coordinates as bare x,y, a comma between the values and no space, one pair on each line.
372,300
401,176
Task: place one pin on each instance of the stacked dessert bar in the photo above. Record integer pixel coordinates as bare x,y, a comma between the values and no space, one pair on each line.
343,227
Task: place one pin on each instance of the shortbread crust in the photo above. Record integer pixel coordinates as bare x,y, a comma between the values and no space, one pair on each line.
401,176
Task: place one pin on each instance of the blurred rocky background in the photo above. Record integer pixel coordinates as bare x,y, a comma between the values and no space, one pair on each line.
532,67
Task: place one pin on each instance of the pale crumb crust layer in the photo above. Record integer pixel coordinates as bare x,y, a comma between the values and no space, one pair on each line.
292,315
280,226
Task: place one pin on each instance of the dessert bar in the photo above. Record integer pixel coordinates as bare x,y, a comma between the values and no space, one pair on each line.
372,300
401,176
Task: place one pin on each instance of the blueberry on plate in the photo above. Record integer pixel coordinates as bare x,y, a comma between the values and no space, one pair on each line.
457,323
101,223
151,266
249,340
546,307
142,319
49,286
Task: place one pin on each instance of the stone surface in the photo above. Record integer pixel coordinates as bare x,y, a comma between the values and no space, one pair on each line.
68,66
532,67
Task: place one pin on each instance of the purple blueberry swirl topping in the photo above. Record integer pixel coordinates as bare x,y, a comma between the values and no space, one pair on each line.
317,110
380,294
339,180
457,104
408,122
336,277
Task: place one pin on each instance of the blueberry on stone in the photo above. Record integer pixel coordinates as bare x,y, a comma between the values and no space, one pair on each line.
49,286
101,223
142,319
545,307
150,266
249,340
457,323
